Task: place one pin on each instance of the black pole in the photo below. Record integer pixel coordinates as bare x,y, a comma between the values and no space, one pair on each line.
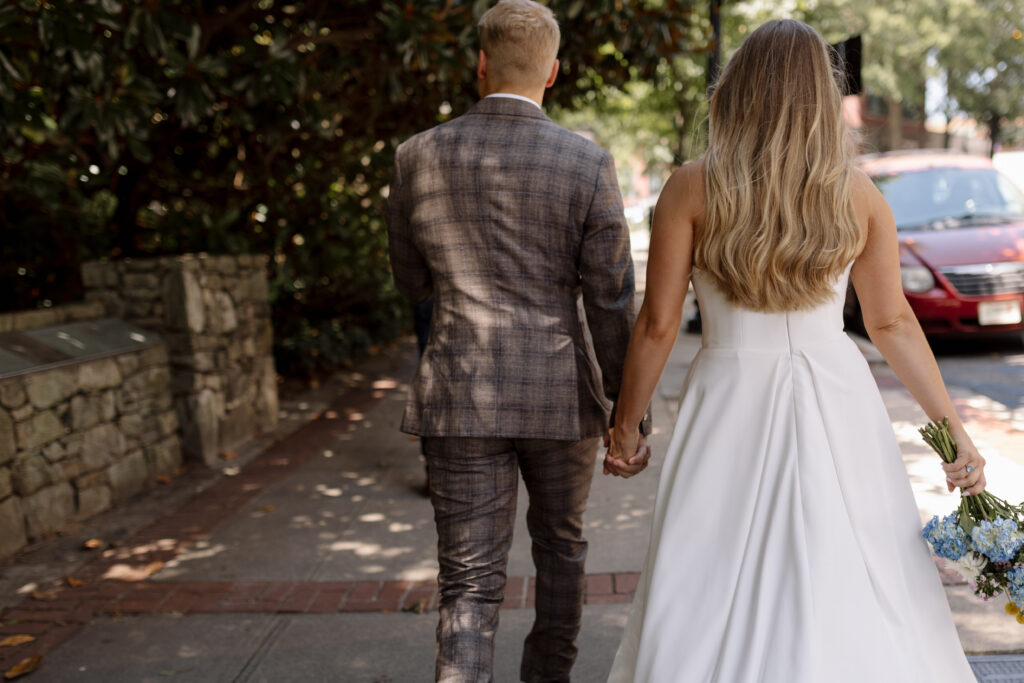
715,53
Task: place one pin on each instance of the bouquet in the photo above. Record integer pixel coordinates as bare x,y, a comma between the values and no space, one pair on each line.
983,540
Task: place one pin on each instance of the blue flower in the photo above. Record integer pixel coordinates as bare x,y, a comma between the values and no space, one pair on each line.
946,537
999,540
1015,586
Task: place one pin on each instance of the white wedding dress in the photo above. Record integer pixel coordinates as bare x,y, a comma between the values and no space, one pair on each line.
785,545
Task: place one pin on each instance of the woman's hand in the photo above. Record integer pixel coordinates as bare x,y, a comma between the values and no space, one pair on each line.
619,444
968,470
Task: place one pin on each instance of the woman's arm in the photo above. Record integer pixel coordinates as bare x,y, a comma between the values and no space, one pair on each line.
657,325
893,327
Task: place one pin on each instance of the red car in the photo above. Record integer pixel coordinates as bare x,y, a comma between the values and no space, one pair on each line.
961,231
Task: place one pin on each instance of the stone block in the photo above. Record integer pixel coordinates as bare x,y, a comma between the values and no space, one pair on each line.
85,412
54,452
183,301
12,393
154,355
29,474
23,413
46,389
108,405
6,487
71,468
186,383
83,310
39,430
211,281
94,274
164,457
88,481
167,422
128,475
227,265
199,361
8,440
131,425
238,426
201,415
162,401
222,319
99,374
150,431
128,362
268,401
101,445
12,526
257,287
49,510
112,302
93,501
138,309
73,443
142,281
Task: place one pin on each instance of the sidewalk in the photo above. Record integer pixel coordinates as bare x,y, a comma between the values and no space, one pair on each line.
315,560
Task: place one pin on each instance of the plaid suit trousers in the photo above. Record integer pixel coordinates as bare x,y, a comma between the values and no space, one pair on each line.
473,488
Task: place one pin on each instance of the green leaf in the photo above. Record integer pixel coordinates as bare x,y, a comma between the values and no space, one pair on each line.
192,42
6,63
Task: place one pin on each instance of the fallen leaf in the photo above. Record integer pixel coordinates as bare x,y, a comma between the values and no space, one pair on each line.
125,572
267,508
73,582
93,543
163,479
19,639
229,455
416,607
25,666
45,596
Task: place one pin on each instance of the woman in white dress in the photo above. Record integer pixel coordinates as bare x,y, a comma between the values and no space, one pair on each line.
785,544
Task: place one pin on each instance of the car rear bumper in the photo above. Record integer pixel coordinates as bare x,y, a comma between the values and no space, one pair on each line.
943,313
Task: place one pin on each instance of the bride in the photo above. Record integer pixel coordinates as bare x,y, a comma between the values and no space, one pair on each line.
785,543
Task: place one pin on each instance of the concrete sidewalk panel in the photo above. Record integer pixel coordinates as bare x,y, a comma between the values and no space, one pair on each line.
399,648
196,649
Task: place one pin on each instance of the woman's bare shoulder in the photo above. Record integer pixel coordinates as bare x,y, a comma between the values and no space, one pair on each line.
685,188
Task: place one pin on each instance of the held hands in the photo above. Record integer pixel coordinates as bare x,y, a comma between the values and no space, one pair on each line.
628,454
967,472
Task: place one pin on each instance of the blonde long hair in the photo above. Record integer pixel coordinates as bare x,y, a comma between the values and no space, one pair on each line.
779,224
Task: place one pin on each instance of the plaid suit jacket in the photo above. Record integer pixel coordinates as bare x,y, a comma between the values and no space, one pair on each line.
510,221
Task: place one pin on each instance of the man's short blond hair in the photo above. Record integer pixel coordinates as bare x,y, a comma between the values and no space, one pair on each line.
520,39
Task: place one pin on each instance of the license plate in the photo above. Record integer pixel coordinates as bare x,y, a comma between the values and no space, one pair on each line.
999,313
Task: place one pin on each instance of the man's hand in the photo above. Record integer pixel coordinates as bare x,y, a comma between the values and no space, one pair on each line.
618,464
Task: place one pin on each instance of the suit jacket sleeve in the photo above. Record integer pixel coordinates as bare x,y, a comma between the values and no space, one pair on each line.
408,266
606,274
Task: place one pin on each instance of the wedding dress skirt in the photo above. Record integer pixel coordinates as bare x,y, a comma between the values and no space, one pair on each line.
785,542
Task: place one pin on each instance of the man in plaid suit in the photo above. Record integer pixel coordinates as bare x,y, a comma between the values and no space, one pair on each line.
510,222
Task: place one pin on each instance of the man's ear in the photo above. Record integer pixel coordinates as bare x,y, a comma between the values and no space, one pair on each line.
481,66
553,76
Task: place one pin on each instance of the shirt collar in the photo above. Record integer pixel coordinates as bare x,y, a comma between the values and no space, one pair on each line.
513,96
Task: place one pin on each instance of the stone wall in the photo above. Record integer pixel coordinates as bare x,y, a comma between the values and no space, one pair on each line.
75,439
214,315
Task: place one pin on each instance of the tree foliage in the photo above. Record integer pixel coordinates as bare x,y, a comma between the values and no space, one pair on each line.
140,127
975,46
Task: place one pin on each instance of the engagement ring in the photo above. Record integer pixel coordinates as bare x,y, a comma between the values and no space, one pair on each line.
970,469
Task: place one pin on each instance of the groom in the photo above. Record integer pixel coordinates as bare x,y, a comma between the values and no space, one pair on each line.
510,221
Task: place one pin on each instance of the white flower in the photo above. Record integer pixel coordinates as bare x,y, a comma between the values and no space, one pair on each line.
969,566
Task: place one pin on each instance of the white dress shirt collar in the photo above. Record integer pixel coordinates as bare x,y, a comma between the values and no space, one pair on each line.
513,96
